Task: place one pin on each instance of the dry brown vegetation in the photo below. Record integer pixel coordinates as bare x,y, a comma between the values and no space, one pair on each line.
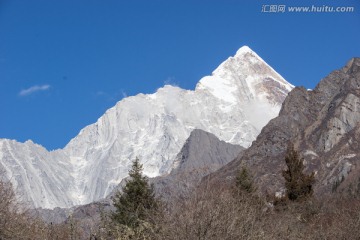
213,212
226,213
16,222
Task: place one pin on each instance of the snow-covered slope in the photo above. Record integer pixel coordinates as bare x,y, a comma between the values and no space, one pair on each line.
234,103
40,177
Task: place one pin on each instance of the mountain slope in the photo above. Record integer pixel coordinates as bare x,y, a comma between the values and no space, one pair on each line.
234,103
202,154
40,177
324,125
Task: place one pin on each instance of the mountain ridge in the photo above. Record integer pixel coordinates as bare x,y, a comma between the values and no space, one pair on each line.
152,127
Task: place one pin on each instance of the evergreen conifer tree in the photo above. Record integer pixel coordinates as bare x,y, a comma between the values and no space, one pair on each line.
244,181
298,185
137,200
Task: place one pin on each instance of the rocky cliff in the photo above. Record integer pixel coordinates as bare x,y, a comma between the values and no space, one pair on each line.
323,123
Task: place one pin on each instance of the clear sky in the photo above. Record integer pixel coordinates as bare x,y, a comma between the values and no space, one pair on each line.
64,62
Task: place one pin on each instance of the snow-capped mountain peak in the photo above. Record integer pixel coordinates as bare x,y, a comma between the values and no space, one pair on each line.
234,103
243,50
244,77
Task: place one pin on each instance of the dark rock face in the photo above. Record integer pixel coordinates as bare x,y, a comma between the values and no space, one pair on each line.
322,123
202,154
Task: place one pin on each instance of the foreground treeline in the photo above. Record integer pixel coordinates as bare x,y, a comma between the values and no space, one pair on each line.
17,222
222,214
212,212
234,212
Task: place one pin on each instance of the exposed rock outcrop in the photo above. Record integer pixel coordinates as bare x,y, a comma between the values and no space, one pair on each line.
324,126
202,154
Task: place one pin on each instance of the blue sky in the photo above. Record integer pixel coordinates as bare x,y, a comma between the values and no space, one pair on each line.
63,63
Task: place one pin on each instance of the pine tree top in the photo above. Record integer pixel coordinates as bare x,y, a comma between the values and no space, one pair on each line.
136,169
